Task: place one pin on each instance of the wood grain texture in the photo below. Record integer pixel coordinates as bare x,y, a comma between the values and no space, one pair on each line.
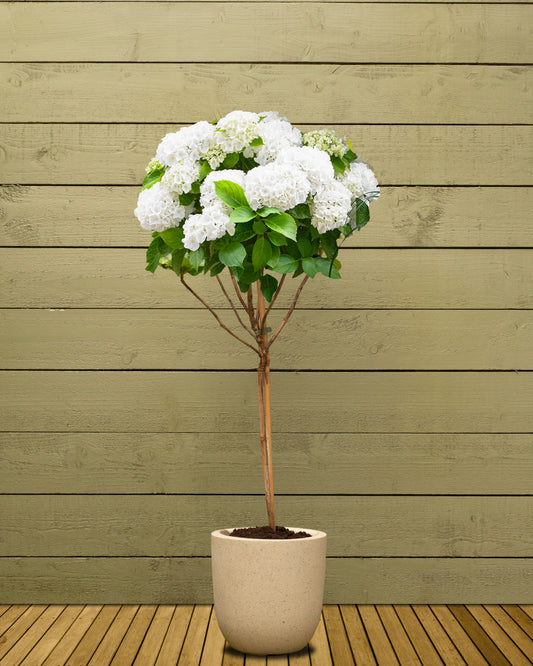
302,402
348,580
389,278
317,464
309,93
191,340
125,32
102,216
179,525
272,2
102,154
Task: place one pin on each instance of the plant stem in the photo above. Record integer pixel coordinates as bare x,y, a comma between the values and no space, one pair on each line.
291,309
234,308
217,317
263,378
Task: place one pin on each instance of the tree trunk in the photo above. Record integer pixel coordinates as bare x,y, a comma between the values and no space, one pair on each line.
263,378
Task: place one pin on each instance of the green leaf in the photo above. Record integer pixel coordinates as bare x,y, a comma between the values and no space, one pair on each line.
265,211
269,284
195,187
350,156
196,257
233,255
247,163
327,268
243,232
283,223
329,243
152,178
261,252
153,253
277,238
258,141
242,214
309,266
359,214
248,276
177,260
173,237
338,164
304,245
286,264
230,160
259,227
301,211
187,198
292,249
204,170
216,268
276,253
230,193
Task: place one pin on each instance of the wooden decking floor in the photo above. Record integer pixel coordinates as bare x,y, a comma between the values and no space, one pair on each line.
189,636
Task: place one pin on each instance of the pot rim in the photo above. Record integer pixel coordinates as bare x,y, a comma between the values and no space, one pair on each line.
223,533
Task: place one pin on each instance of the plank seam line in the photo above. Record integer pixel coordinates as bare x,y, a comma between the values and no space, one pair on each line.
306,309
526,558
286,63
291,432
279,371
260,495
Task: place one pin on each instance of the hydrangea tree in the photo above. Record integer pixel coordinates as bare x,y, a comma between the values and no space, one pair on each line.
252,197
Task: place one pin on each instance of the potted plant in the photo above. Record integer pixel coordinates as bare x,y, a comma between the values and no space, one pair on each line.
252,198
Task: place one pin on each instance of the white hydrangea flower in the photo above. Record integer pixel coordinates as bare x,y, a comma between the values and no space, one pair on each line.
235,131
208,195
194,231
156,209
181,176
360,180
277,133
280,186
188,143
315,163
331,206
211,224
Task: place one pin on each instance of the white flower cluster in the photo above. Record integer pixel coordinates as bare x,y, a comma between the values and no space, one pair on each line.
214,220
360,180
292,169
156,209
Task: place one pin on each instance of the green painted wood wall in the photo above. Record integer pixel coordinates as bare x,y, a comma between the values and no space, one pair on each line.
402,394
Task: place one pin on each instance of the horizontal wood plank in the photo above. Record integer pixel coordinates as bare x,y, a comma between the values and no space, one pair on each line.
281,1
146,401
101,216
101,154
97,92
363,32
179,525
191,340
372,278
317,464
188,580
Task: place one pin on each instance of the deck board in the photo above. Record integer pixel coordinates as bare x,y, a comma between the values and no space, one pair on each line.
161,635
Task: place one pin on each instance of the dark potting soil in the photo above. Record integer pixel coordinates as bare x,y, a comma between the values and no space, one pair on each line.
266,532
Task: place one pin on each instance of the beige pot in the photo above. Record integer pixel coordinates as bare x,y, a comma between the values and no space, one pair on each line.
268,593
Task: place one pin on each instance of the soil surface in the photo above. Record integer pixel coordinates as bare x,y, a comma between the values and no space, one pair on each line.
266,532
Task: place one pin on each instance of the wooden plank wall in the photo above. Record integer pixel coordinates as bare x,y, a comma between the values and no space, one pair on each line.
402,394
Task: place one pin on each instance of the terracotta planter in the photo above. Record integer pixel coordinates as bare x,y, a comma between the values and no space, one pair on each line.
268,593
